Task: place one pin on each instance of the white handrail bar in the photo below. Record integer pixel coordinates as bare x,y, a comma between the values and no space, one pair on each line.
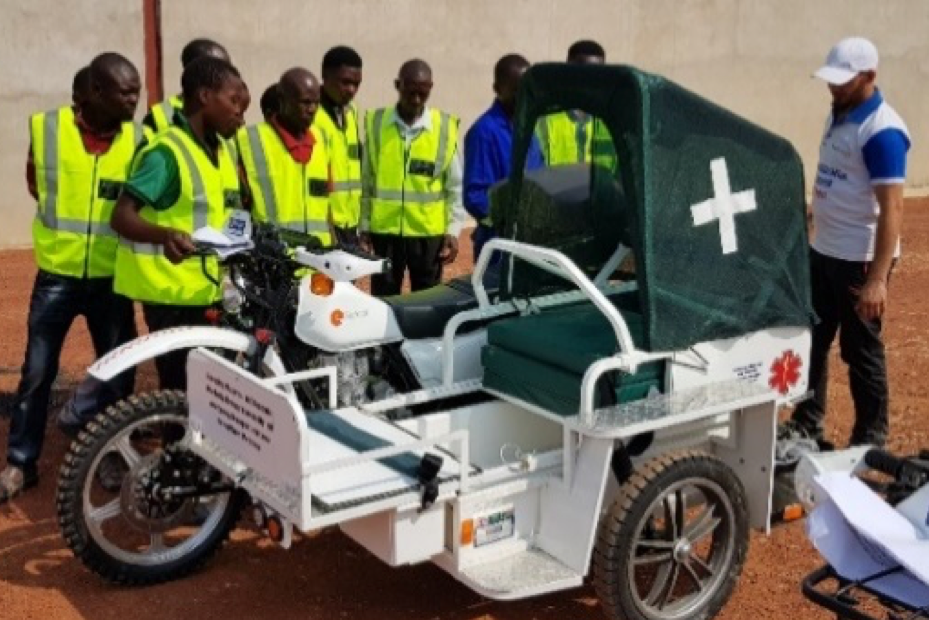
571,272
314,373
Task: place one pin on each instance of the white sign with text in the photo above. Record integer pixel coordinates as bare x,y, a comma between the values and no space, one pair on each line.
234,410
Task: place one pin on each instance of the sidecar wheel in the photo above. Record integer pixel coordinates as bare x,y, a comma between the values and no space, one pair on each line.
673,544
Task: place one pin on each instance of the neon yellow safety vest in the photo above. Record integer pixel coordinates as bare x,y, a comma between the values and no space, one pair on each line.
602,149
344,149
563,139
163,115
77,191
409,192
142,271
286,193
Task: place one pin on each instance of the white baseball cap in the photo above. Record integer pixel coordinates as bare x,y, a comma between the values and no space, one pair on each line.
847,59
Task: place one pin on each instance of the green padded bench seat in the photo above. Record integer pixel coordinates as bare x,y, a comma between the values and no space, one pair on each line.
542,358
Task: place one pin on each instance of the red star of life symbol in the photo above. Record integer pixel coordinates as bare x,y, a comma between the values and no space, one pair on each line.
785,371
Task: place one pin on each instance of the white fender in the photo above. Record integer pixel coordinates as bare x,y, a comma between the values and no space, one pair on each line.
158,343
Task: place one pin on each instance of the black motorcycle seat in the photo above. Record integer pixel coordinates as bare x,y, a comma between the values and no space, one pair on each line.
423,314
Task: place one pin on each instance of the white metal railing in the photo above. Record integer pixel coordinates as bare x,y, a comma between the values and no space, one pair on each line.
329,372
628,357
552,261
558,264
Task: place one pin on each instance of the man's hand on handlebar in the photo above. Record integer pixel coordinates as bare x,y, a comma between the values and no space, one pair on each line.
178,245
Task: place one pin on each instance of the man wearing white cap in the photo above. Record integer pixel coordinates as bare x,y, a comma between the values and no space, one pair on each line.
857,212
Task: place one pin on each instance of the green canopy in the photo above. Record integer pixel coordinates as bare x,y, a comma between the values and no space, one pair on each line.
711,205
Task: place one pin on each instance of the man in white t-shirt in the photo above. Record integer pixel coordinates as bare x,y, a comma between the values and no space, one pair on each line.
857,213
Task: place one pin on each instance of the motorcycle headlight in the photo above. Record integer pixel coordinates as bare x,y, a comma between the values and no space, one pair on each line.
811,465
232,296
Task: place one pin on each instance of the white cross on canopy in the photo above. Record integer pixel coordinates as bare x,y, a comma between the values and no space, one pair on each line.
723,206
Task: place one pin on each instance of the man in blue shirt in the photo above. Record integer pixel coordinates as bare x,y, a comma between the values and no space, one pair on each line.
488,147
857,217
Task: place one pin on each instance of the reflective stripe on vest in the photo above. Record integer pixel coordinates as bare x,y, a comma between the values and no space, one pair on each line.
346,186
344,148
142,271
76,194
602,149
409,193
289,194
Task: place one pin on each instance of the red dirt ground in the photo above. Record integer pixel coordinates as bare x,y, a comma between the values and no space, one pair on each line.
327,576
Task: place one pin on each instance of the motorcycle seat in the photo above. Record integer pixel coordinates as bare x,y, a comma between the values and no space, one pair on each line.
423,314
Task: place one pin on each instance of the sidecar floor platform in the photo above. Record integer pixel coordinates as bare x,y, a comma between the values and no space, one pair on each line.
340,458
350,433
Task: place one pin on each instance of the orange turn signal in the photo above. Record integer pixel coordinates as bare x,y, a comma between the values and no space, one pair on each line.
467,532
793,512
321,284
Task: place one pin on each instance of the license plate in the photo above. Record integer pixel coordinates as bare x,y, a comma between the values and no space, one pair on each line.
494,527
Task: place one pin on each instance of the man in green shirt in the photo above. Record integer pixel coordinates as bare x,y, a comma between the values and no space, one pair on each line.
185,179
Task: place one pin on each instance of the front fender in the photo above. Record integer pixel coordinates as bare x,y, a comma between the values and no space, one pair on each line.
94,394
164,341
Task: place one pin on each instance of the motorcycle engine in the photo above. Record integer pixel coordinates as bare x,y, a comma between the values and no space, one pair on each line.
355,382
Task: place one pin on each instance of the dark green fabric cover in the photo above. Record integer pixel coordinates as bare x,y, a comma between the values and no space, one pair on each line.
666,139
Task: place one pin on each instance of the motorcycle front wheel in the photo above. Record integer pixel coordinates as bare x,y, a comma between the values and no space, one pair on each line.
134,505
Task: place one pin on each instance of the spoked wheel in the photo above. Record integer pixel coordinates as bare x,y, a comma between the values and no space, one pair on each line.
673,544
133,503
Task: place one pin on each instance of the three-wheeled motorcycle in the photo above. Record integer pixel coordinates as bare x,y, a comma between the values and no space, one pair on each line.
597,401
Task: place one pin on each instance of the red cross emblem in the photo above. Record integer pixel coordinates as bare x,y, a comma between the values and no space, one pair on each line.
785,371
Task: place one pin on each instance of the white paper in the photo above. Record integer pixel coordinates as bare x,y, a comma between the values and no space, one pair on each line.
859,534
212,237
233,239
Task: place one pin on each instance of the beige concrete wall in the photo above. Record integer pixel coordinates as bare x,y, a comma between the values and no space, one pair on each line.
42,44
752,56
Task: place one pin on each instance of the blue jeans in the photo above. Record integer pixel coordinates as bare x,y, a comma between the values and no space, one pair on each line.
56,302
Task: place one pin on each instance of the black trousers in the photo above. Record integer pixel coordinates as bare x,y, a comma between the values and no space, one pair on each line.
419,255
56,301
860,346
172,367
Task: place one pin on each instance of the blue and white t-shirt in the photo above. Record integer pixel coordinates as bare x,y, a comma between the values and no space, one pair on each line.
866,148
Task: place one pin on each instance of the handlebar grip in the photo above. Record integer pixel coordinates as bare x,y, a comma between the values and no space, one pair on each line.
884,462
295,238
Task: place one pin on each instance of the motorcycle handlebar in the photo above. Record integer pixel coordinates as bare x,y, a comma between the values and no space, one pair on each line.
884,462
294,238
274,242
